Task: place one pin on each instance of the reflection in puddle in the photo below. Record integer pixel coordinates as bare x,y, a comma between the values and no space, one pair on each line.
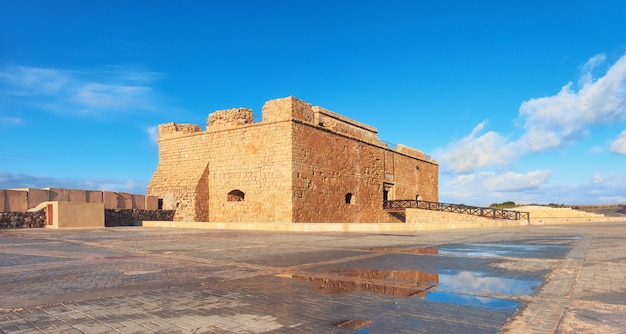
499,250
468,300
452,287
419,251
468,282
572,237
403,283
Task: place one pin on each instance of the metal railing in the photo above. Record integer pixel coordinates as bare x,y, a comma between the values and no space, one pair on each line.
401,205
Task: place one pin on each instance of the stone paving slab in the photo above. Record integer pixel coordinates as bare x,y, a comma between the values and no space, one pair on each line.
531,279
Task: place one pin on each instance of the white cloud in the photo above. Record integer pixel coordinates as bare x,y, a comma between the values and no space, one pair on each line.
510,181
153,132
619,144
12,180
549,122
101,96
26,81
555,121
80,92
475,151
10,120
485,188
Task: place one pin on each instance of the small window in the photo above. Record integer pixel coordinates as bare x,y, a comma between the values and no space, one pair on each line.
236,196
349,198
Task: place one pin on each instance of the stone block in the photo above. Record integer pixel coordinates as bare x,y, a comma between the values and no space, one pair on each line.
76,215
3,203
152,203
109,199
138,202
36,196
59,195
95,196
124,201
16,201
78,196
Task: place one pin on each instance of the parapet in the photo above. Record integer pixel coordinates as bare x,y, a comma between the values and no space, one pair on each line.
229,118
291,108
173,129
414,153
287,108
344,125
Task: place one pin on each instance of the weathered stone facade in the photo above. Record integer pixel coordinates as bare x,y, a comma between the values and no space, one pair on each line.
299,164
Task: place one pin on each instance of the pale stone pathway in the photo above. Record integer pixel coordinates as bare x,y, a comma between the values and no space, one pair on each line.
151,280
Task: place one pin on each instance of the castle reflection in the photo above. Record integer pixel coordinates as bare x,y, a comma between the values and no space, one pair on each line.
402,283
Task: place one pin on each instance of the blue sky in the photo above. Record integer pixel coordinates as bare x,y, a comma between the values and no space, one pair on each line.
519,101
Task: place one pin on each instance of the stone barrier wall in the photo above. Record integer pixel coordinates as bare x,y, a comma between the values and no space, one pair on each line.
129,217
35,219
440,217
112,217
23,199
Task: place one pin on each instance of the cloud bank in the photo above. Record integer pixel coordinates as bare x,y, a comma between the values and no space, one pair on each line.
548,123
619,144
80,92
12,180
555,121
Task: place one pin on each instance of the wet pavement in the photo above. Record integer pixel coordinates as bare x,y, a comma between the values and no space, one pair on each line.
531,279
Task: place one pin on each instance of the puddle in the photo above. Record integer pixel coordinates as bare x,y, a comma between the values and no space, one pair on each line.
503,250
573,237
402,283
419,251
140,272
468,282
469,300
410,283
358,325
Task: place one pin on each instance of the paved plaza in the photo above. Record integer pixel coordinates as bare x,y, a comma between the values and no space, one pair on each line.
527,279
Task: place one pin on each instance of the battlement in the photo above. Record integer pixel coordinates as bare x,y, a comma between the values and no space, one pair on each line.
229,118
173,129
286,109
278,110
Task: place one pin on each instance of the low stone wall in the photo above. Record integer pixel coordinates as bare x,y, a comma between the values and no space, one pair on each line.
128,217
441,217
35,219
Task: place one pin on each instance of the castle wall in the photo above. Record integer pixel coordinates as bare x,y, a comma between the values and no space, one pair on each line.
300,164
198,170
256,161
326,169
183,159
341,179
413,176
22,199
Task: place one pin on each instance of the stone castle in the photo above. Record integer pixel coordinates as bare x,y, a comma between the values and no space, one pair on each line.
300,164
